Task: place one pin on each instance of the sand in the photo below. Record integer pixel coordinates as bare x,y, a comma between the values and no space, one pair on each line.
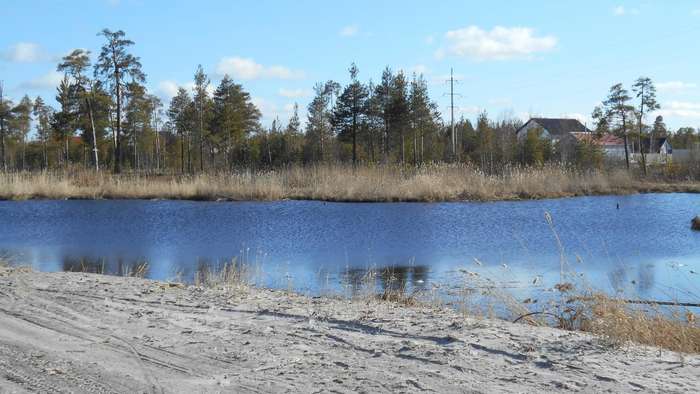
84,333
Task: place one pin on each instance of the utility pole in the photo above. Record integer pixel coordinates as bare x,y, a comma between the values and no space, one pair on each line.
453,134
2,128
452,113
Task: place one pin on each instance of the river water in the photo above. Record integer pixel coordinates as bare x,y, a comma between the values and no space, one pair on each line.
639,245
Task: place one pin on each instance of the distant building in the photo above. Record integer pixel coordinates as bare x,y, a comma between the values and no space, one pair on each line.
662,146
613,147
553,129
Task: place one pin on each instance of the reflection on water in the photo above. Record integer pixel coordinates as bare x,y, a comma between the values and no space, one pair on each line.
644,249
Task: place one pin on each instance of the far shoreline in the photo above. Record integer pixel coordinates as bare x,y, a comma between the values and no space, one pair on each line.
334,183
671,189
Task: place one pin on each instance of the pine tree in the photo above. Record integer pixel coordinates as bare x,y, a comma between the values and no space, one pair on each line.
617,107
318,123
234,116
423,112
114,65
399,109
180,121
75,65
42,115
350,110
382,104
23,122
64,121
203,106
5,117
292,136
601,121
646,93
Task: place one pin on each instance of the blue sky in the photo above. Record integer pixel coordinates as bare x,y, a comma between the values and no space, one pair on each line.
548,58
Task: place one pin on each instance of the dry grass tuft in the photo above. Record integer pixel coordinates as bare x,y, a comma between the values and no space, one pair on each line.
230,276
433,182
620,323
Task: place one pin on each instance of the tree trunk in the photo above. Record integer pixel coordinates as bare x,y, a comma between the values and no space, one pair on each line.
46,157
624,132
201,137
117,135
94,135
641,148
354,139
2,131
422,137
415,147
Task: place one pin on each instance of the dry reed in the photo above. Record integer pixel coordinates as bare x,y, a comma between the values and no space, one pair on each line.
439,182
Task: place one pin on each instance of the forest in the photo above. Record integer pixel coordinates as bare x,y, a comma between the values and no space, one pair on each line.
107,119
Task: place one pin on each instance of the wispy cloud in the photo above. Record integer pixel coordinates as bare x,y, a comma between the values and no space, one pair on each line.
25,52
499,43
248,69
294,93
576,115
621,10
50,80
681,109
271,110
349,31
675,86
167,89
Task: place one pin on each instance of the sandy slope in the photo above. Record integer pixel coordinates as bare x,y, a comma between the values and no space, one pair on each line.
88,333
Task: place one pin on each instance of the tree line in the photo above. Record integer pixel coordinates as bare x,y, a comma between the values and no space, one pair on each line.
107,119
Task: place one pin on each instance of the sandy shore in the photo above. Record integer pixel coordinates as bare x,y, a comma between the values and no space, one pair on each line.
71,332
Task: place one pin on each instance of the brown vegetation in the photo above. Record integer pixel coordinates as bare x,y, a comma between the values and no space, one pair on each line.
695,223
336,183
621,323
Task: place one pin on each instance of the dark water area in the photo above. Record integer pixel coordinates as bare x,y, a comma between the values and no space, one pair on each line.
643,249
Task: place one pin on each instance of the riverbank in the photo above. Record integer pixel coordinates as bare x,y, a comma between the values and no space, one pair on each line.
91,333
337,183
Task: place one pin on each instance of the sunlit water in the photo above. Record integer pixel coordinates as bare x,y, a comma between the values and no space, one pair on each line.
643,249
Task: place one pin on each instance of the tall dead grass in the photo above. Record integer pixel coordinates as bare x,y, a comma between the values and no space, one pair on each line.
438,182
621,323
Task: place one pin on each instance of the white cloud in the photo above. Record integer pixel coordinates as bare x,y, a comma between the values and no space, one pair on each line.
502,101
49,80
167,89
294,93
468,110
419,69
695,12
621,10
681,109
271,110
25,52
248,69
429,39
578,116
349,31
500,43
675,86
445,78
